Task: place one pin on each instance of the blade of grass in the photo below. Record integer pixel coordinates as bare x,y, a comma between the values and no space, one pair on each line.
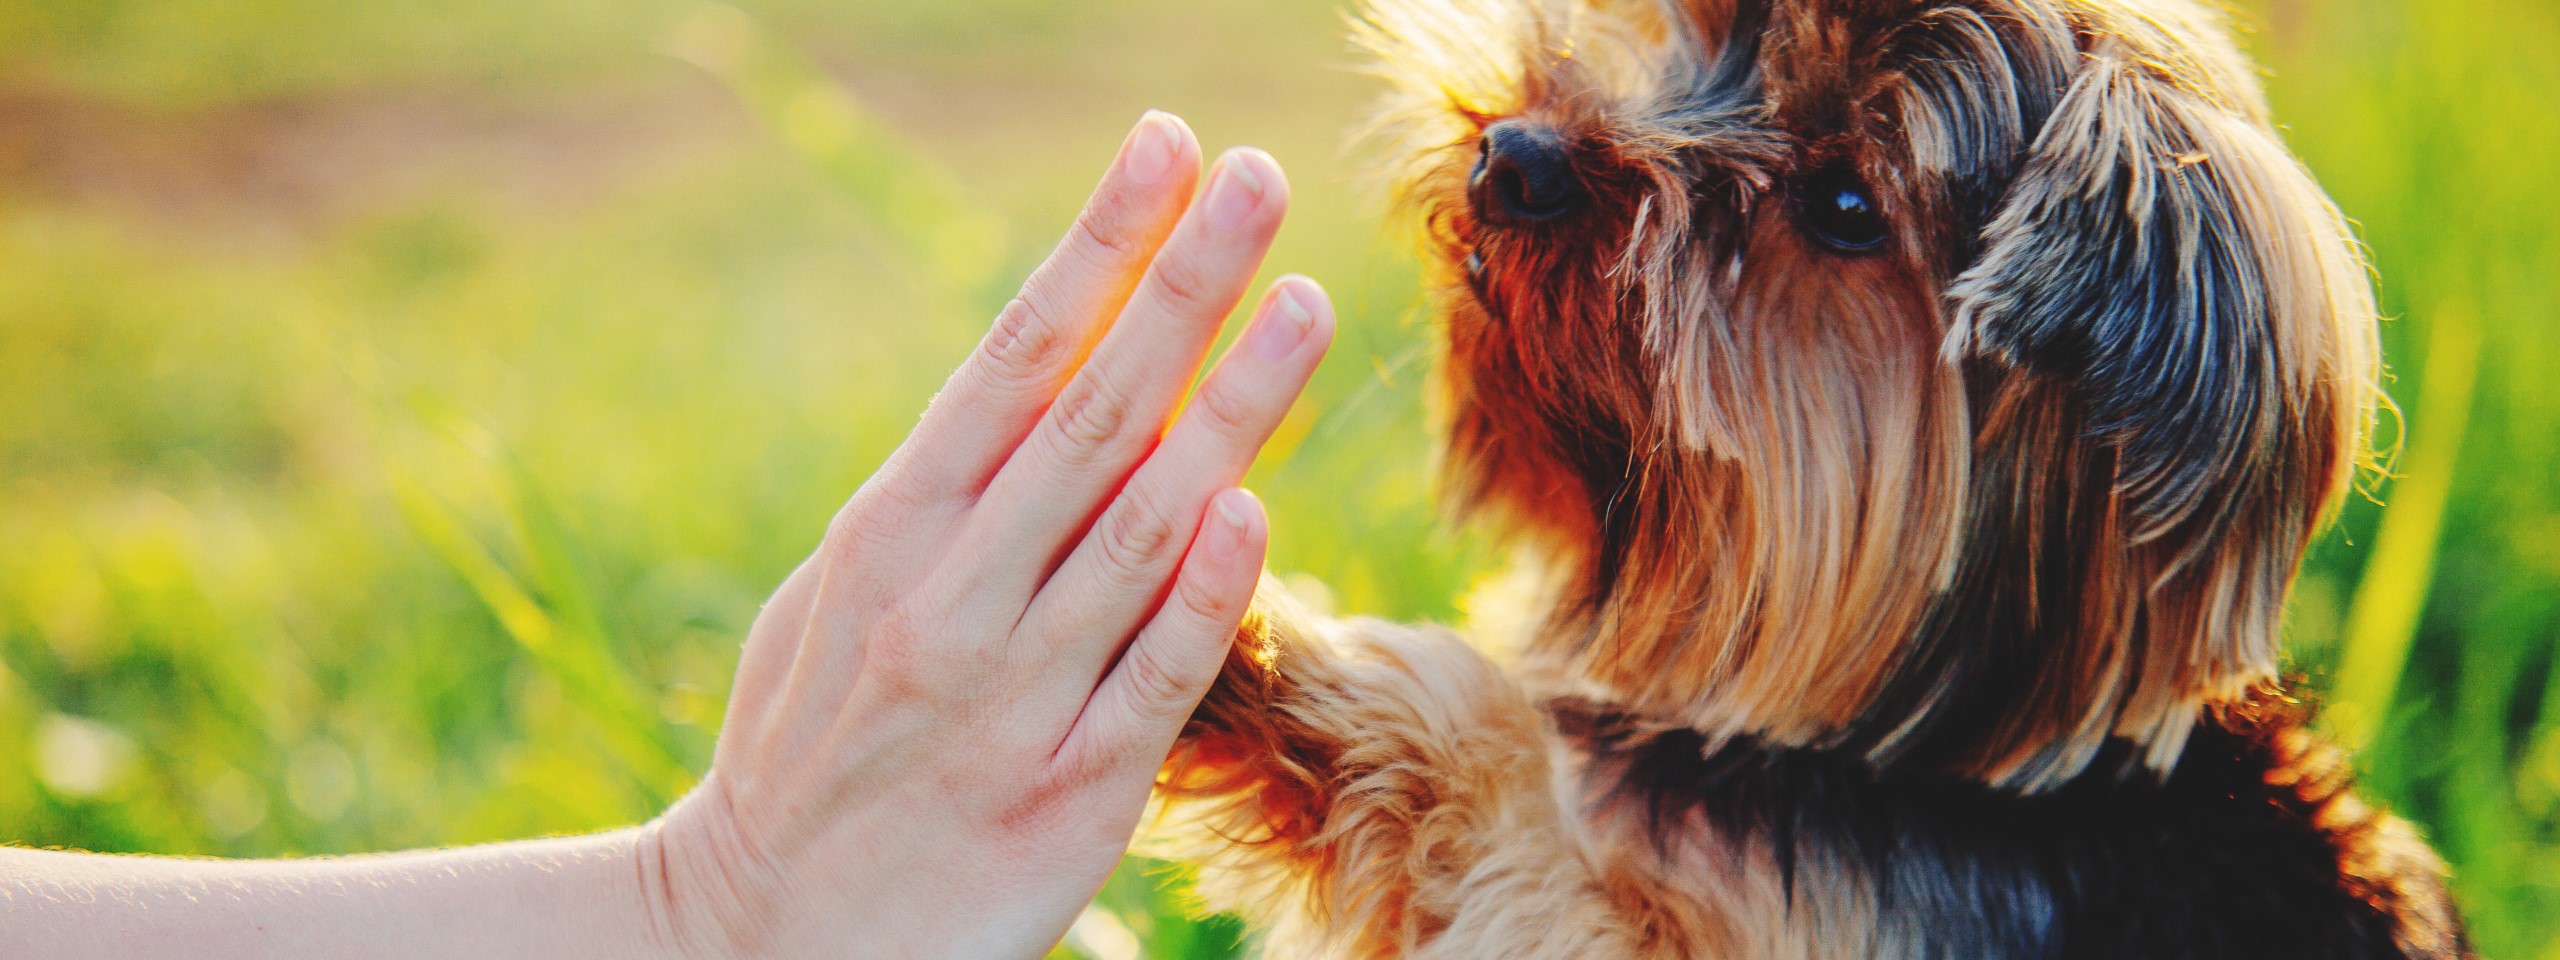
892,182
574,657
2382,620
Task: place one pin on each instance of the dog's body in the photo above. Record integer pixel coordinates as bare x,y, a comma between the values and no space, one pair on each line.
1916,412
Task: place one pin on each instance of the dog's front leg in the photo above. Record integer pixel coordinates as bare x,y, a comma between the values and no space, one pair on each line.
1362,789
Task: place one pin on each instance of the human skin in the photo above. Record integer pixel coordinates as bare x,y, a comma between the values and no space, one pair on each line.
946,722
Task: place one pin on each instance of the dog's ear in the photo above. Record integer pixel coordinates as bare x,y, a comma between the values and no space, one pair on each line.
2163,258
2165,255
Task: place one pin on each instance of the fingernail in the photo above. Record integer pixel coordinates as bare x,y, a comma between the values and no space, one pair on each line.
1233,523
1285,325
1237,192
1150,151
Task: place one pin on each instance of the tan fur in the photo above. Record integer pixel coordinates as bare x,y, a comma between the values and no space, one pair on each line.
1416,813
1800,435
1764,490
1376,791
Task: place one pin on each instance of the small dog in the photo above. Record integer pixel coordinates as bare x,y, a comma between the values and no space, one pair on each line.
1916,412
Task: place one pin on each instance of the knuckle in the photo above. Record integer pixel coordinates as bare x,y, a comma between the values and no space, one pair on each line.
1185,284
1023,344
871,520
901,641
914,660
1102,243
1034,813
1137,539
1227,412
851,535
1207,609
1155,687
1088,416
902,680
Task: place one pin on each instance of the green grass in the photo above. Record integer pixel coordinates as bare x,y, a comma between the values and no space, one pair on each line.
425,500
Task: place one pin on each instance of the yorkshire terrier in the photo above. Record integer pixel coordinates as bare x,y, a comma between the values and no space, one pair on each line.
1913,414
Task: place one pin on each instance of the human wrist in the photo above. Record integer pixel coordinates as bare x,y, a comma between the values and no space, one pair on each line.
565,896
693,885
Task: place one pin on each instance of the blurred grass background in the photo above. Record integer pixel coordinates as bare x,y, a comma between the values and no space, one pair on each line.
404,406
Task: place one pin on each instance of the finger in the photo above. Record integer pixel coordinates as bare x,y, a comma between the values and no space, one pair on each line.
996,396
1117,573
1112,412
1134,715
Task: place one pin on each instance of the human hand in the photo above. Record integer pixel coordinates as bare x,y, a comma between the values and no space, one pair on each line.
946,722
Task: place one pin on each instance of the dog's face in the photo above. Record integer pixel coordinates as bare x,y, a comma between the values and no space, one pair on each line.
1956,380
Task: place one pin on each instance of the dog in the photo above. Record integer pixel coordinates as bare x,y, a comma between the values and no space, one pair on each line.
1912,414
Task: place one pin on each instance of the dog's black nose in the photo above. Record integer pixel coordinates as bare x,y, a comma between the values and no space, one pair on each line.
1525,175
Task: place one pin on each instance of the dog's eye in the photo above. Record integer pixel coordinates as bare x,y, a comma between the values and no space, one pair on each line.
1841,212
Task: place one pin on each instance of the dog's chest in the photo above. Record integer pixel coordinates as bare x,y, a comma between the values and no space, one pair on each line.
1748,850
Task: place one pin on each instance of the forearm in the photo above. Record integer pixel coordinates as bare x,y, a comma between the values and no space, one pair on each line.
569,897
944,725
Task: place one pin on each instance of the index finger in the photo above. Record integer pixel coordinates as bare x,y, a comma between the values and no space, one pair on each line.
1038,339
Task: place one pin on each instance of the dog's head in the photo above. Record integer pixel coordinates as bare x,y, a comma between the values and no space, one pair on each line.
1955,380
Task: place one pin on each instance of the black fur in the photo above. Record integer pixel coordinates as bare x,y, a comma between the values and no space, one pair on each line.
2244,851
2002,657
1991,77
2141,283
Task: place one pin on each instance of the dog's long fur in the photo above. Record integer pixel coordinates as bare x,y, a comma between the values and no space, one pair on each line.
1913,603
